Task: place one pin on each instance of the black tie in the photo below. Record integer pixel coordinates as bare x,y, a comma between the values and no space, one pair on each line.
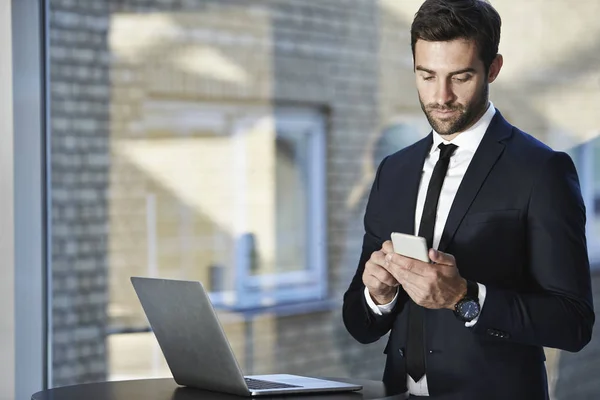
415,352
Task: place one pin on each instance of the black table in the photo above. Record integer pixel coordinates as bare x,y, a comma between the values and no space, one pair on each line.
167,389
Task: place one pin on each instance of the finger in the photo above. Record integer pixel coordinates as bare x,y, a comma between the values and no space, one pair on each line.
390,267
386,262
439,257
378,257
402,276
387,247
375,286
397,261
375,282
380,274
405,277
384,279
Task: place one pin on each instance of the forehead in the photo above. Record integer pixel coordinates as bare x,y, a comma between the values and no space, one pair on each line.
447,56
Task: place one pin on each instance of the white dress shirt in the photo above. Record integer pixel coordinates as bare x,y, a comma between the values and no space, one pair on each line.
467,143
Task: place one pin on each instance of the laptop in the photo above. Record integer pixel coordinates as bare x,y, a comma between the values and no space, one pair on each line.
196,349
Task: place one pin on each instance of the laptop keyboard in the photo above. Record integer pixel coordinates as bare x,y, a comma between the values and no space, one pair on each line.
256,384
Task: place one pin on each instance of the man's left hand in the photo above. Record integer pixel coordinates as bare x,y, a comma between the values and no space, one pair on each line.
431,285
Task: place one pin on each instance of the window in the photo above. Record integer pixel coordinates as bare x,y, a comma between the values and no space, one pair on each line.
188,139
281,255
586,157
231,196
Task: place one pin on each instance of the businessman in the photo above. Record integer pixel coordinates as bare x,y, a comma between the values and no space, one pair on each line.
504,220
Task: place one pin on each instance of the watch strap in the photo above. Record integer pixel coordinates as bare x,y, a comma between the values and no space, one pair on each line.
472,291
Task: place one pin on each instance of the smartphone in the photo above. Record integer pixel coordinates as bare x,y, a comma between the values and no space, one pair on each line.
411,246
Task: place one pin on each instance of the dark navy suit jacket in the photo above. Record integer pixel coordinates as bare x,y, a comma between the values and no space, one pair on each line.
517,225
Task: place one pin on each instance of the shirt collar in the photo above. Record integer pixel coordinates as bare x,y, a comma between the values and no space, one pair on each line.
469,139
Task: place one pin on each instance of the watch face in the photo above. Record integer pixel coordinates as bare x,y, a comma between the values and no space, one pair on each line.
468,309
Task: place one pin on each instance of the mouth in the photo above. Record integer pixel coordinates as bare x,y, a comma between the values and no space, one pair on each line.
444,113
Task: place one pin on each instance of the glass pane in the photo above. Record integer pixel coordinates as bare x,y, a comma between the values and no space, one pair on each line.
154,173
171,157
292,186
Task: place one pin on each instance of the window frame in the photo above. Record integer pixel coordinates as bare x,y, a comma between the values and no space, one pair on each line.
310,283
583,156
244,290
23,198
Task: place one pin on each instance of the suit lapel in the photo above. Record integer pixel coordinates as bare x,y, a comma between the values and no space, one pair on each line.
407,188
488,152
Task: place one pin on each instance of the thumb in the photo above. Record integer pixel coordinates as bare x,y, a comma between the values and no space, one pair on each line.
439,257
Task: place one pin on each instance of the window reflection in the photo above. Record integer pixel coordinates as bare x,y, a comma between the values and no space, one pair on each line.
235,143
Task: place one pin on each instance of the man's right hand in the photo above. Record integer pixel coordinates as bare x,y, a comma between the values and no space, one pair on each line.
381,284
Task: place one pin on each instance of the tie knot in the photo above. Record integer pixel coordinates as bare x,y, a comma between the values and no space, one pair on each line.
446,150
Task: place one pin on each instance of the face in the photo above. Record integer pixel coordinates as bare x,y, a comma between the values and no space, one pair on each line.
452,84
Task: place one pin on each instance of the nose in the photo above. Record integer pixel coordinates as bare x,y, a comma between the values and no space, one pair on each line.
444,94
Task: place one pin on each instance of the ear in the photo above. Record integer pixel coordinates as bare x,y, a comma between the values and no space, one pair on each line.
495,68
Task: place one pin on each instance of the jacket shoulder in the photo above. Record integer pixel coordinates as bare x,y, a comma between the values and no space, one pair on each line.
401,155
528,150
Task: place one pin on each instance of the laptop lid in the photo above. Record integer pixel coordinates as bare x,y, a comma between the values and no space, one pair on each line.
195,346
190,335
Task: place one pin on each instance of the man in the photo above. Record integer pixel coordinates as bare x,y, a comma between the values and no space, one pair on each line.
505,221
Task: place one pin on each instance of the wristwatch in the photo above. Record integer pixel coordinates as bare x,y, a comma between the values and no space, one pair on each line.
468,308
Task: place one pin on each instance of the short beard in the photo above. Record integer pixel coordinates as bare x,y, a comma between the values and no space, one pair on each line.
468,114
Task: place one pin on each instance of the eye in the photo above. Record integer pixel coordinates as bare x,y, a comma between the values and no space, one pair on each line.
462,79
428,78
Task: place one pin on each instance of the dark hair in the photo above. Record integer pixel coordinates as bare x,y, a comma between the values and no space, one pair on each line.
444,20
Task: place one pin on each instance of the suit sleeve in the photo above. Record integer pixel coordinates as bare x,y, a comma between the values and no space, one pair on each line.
557,309
360,321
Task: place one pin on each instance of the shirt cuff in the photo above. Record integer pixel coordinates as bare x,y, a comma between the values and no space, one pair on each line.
481,295
380,309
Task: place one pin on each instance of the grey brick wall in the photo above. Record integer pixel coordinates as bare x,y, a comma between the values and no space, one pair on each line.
79,108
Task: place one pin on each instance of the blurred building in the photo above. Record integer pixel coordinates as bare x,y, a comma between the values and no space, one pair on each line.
234,142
